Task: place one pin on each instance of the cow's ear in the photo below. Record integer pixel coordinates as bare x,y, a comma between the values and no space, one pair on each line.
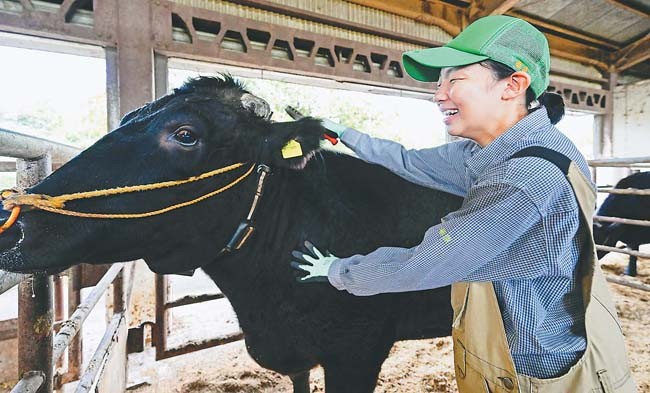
293,144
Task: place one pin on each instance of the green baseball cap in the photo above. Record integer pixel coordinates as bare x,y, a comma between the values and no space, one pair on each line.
505,39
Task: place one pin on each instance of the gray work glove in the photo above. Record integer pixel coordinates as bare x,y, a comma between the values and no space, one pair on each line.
314,263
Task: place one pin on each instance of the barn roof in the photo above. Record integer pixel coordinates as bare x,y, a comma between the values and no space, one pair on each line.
612,35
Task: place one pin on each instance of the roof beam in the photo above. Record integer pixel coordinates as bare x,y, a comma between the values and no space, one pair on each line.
446,16
629,6
482,8
632,54
571,50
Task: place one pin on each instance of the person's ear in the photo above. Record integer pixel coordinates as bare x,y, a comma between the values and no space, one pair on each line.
516,85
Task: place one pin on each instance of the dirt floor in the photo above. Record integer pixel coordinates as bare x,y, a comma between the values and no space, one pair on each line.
413,366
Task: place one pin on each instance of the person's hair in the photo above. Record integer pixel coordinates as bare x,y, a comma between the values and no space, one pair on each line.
553,102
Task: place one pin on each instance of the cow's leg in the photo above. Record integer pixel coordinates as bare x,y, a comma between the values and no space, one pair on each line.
300,382
357,369
346,377
631,265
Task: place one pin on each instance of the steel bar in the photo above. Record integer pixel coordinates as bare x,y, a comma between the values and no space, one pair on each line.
159,338
9,280
96,365
627,283
71,326
14,144
118,293
629,221
196,346
129,289
619,161
60,314
30,383
193,299
74,299
626,251
35,295
624,191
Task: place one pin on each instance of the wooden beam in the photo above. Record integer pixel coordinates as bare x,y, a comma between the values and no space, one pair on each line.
632,54
483,8
581,53
446,16
630,6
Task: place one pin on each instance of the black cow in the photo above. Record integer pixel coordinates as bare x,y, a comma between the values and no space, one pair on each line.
625,206
338,202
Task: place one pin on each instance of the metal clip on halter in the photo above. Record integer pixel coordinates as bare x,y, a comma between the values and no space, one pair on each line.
246,228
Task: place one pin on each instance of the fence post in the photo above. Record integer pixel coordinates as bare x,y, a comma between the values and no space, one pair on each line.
35,296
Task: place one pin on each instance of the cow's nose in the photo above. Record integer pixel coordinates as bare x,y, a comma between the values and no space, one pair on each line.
11,236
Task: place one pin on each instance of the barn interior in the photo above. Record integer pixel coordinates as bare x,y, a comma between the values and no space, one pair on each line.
148,332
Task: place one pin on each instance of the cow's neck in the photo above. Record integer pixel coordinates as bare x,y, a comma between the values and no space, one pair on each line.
296,206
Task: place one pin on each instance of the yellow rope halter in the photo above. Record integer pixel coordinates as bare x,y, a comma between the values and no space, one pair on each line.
13,199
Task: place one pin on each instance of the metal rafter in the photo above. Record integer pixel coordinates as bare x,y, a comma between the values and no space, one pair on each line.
632,54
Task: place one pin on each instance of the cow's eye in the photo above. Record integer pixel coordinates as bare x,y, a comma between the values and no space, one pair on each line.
185,137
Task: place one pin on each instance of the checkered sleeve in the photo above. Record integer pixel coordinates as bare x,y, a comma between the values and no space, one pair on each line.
440,167
493,218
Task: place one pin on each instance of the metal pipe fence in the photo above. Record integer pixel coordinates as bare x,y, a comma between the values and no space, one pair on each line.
39,349
630,162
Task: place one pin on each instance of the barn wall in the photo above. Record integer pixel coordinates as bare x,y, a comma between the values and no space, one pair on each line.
632,119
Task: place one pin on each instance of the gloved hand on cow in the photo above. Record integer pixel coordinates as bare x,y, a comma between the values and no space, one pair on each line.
314,263
334,130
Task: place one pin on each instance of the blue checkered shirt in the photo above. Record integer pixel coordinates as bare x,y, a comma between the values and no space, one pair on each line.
518,227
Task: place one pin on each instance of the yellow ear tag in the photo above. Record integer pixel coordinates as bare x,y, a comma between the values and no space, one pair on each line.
291,149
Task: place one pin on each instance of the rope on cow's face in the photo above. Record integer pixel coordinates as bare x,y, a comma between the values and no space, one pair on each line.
13,200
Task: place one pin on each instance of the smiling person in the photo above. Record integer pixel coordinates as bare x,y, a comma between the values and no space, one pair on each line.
532,311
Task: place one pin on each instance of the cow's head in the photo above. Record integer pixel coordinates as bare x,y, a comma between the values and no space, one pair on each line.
206,124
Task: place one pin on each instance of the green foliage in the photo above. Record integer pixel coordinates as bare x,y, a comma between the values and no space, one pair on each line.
79,128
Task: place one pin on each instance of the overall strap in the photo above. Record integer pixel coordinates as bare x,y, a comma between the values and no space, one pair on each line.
558,159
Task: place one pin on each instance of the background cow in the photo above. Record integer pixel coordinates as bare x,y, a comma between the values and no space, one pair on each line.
625,206
336,201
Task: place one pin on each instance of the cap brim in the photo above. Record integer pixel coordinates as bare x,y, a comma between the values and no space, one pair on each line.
424,65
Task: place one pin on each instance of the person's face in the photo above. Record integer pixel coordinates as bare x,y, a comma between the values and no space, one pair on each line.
469,98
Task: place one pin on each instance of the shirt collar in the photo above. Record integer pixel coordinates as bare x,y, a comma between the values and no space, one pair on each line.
507,143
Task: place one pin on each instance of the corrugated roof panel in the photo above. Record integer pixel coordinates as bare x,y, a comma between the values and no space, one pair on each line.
542,9
615,22
577,14
631,32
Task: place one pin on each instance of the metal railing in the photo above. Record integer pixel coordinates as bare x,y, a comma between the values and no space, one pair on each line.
38,348
630,162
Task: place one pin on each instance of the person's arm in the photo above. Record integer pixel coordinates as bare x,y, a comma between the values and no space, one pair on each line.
441,167
493,219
